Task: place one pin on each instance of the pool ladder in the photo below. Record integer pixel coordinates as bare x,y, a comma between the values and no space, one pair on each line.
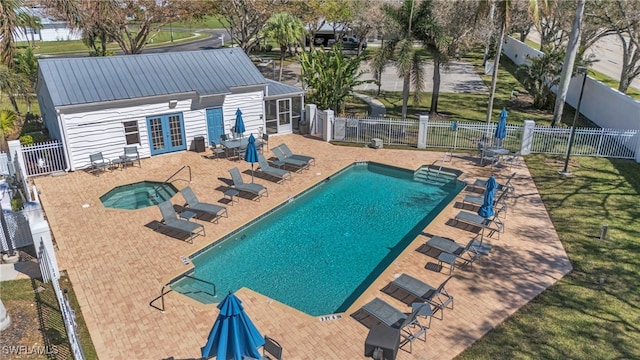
155,189
163,292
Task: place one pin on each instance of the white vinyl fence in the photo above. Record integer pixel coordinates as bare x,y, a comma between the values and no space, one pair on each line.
391,131
43,243
68,315
454,135
43,158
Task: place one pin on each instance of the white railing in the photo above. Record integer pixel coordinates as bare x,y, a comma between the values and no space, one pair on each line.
613,143
68,315
361,131
43,158
467,135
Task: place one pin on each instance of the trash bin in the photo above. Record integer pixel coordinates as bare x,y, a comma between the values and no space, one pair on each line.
303,127
198,144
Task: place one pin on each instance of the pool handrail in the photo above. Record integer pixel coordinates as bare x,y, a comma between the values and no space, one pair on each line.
163,293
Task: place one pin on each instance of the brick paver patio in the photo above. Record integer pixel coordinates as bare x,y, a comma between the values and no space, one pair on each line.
117,265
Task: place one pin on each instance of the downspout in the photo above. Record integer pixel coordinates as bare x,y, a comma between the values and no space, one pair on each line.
63,134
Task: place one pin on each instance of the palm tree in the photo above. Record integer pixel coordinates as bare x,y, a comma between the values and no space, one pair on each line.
330,76
32,22
502,8
8,25
431,34
8,120
569,60
285,29
400,46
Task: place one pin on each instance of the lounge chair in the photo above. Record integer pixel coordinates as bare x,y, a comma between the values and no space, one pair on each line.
193,204
272,348
410,328
494,224
290,155
131,155
99,162
467,254
171,221
477,200
300,164
479,183
240,185
271,171
437,297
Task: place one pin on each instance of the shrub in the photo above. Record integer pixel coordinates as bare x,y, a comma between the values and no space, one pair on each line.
26,140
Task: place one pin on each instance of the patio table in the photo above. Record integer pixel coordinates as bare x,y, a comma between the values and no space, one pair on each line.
237,145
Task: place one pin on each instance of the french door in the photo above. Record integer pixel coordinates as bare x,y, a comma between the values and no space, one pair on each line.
166,133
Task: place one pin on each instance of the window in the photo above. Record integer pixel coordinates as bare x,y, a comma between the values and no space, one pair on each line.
131,133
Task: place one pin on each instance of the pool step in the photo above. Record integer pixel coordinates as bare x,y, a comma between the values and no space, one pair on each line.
196,290
432,177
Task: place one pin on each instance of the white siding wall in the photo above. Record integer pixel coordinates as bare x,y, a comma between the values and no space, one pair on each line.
251,106
90,132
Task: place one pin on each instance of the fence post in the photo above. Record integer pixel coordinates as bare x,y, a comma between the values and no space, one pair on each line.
41,234
422,131
638,150
327,128
15,153
527,137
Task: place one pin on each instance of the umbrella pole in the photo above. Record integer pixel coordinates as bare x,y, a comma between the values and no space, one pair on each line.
252,173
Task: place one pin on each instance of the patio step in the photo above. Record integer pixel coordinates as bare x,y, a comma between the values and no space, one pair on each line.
196,290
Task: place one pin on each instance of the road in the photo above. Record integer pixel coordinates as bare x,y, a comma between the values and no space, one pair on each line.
608,50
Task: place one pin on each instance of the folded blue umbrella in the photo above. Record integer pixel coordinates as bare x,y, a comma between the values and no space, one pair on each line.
251,156
233,334
486,210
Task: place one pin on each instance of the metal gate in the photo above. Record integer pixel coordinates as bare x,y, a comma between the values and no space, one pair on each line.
43,158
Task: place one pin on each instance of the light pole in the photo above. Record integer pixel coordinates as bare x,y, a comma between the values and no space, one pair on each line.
583,71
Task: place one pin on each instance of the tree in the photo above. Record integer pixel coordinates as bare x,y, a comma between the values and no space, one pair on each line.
13,84
8,25
567,67
330,76
622,18
430,33
285,30
8,120
32,22
502,11
540,75
244,19
132,24
402,21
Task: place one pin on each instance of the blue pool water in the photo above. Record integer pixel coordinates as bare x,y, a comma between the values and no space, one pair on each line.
321,250
138,195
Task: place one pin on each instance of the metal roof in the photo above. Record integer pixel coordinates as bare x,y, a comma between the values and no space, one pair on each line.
73,81
275,88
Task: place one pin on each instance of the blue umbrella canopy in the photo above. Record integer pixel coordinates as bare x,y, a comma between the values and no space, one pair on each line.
239,126
501,128
251,156
486,210
233,334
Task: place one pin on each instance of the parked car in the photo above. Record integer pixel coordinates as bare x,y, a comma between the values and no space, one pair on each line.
349,43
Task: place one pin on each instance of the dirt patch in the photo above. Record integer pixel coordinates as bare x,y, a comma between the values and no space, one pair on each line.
23,339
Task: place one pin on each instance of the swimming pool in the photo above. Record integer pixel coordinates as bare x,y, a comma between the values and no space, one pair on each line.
322,249
138,195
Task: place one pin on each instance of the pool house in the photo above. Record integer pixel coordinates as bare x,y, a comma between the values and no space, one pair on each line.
159,103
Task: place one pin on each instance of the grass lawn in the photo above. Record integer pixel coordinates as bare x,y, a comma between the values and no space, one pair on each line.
32,305
77,46
593,312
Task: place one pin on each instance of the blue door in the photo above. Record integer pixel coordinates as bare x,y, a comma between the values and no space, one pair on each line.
166,133
215,125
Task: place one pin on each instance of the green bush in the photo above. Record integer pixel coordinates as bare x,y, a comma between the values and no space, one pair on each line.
16,203
26,140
